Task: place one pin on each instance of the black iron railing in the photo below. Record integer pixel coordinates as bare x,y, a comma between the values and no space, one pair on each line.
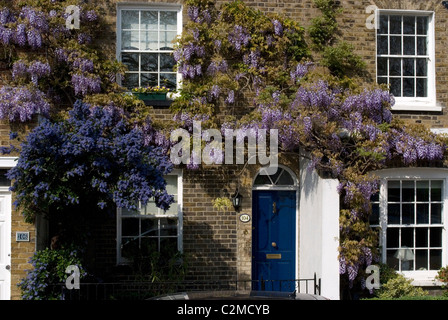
142,290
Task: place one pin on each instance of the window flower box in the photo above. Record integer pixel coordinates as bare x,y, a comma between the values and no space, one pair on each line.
150,96
151,93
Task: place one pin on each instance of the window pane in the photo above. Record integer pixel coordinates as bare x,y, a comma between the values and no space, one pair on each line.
392,237
168,246
391,260
382,80
422,213
382,66
149,228
395,67
167,40
421,259
4,181
149,40
149,246
393,214
395,24
285,179
422,25
129,247
130,227
435,259
150,62
407,265
149,79
168,80
407,191
408,87
395,45
129,40
421,237
407,237
150,208
167,62
168,20
408,213
408,25
130,80
422,190
422,67
149,20
422,46
383,45
436,190
375,215
168,227
171,185
129,19
422,87
384,24
130,60
408,67
409,45
393,191
395,87
436,213
435,237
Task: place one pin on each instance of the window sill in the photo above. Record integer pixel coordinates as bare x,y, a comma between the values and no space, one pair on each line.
416,107
423,278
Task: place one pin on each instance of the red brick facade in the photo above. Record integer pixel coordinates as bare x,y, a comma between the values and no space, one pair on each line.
217,243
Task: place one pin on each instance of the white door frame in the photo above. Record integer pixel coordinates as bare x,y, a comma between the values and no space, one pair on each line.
5,242
295,188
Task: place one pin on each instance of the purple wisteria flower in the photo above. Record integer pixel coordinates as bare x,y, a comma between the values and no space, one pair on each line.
38,70
300,71
278,27
83,65
230,97
239,37
20,35
22,103
83,84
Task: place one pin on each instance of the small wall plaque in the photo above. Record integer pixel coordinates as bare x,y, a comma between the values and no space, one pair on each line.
244,218
22,236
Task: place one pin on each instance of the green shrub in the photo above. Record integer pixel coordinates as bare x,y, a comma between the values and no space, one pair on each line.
399,287
442,275
42,281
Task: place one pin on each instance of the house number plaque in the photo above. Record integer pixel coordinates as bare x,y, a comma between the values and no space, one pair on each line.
244,218
22,236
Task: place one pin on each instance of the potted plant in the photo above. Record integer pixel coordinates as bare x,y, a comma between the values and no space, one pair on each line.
151,92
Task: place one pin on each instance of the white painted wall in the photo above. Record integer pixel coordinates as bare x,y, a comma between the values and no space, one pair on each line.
319,230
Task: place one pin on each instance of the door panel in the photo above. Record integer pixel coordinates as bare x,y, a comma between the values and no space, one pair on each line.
5,246
274,247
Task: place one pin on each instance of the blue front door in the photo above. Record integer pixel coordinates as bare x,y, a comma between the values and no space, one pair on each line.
274,240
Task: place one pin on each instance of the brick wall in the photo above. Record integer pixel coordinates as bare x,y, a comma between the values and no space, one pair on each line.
217,243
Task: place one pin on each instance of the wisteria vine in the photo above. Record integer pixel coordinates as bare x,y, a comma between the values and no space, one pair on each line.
346,131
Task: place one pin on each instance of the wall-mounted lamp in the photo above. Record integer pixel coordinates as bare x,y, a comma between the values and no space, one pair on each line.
237,199
445,4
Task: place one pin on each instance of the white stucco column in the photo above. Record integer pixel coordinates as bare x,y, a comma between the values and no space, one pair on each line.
319,230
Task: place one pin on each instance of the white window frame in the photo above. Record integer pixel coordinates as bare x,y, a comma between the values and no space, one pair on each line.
154,7
407,103
121,260
420,277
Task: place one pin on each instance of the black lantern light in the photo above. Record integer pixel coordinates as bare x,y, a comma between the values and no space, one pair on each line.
237,199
